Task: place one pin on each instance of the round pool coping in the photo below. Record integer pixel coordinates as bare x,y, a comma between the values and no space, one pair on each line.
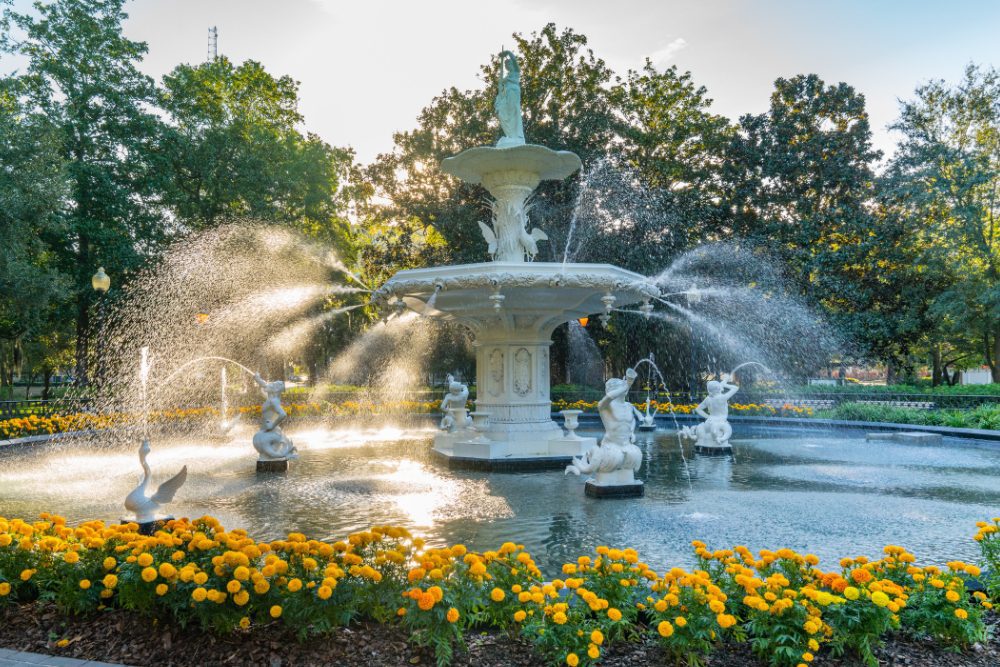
589,419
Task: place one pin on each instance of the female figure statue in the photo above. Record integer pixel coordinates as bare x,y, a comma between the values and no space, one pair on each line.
508,102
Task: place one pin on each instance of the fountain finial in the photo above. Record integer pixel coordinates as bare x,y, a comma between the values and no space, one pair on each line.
508,101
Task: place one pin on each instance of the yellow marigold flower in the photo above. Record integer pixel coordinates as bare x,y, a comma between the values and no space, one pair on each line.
295,585
680,621
497,595
559,618
199,594
725,620
614,615
961,613
880,599
275,611
244,623
452,615
952,596
149,574
593,652
161,589
665,629
851,593
241,598
233,586
807,656
85,584
241,573
110,581
26,574
145,559
71,557
324,592
572,660
4,588
401,611
597,637
519,615
110,563
200,578
167,571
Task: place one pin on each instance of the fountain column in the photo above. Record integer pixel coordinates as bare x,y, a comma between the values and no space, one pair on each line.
512,381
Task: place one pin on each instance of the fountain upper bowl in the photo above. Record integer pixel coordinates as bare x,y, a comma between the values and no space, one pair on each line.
545,293
543,163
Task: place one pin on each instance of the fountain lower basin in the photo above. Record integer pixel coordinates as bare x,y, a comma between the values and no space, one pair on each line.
512,309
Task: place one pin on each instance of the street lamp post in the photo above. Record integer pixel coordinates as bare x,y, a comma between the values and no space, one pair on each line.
101,284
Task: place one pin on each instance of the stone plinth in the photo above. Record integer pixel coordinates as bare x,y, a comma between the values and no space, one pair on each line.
276,465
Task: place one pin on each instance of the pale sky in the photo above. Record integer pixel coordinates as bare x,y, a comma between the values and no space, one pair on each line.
367,67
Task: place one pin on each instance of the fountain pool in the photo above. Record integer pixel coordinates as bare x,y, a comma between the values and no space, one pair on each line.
829,493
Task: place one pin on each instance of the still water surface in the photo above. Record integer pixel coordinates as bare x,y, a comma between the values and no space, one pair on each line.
822,492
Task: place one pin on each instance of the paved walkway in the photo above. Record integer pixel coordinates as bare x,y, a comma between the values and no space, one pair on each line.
10,658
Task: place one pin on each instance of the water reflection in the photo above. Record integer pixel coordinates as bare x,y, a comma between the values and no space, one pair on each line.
829,494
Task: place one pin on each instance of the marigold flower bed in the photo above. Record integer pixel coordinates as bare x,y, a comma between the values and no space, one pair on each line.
780,603
21,427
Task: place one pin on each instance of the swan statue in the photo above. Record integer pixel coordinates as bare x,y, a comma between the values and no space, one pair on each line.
144,507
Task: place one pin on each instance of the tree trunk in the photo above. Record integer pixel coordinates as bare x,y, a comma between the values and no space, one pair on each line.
82,308
47,383
82,326
994,359
936,371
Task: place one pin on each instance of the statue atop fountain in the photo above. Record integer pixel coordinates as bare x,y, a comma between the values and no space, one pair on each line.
508,102
272,445
712,435
614,463
145,506
453,406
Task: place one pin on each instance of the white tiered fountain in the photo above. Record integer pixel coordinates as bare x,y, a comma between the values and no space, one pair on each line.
512,304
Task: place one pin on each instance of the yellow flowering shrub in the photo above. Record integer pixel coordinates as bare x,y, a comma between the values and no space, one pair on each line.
988,536
743,409
224,580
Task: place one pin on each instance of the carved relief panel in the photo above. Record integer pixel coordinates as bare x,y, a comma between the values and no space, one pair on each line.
495,372
522,372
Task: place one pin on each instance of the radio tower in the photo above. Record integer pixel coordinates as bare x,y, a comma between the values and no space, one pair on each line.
213,44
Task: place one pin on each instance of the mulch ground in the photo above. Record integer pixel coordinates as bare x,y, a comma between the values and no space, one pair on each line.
120,637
